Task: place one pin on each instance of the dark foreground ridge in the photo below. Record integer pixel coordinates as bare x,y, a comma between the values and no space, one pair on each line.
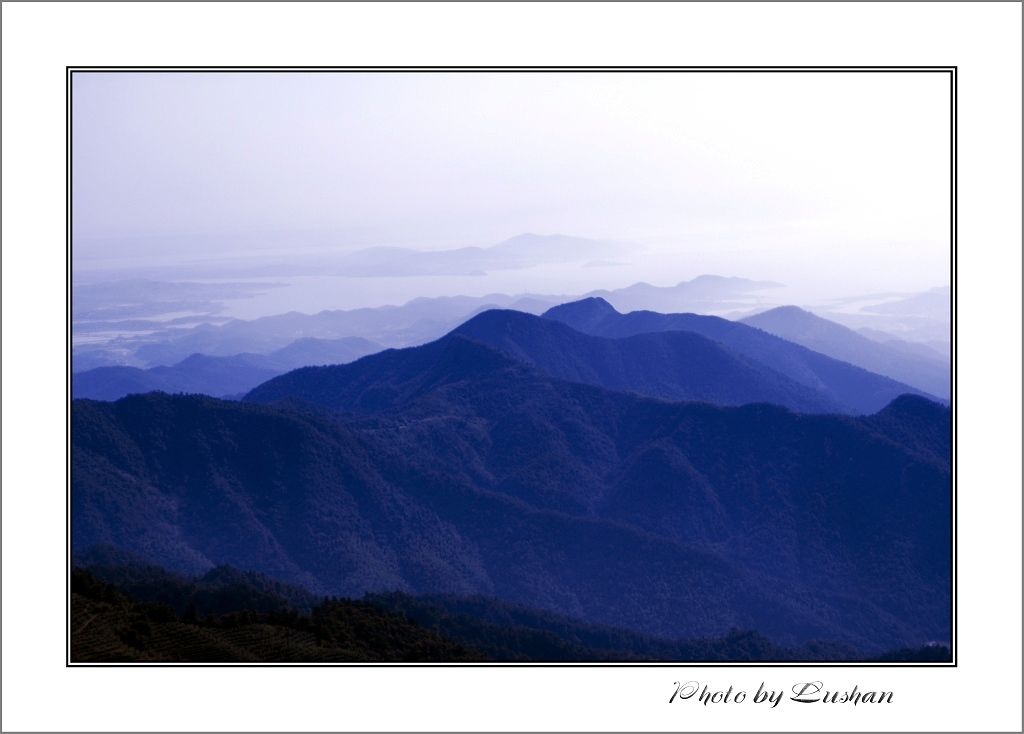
108,626
479,475
111,626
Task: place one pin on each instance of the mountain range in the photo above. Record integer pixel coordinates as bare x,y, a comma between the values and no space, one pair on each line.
704,292
827,337
149,343
523,251
217,376
931,349
932,304
468,466
670,356
849,388
669,474
672,365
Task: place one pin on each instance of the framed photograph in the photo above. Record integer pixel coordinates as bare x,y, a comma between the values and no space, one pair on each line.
546,378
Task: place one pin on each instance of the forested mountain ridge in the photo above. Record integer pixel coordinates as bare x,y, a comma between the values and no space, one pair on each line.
518,459
470,472
673,365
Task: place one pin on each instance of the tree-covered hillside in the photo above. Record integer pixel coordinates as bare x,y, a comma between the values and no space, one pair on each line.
478,475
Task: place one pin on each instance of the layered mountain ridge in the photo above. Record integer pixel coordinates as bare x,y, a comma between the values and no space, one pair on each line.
661,481
827,337
228,376
856,388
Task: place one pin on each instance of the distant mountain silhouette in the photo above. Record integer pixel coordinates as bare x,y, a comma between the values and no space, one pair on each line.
367,330
840,342
933,304
929,350
149,343
704,291
529,249
859,390
261,336
311,350
216,376
922,318
228,377
522,251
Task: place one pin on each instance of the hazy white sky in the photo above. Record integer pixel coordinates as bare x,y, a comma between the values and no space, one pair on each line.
788,174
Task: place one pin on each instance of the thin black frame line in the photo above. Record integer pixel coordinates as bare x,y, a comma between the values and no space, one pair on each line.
954,599
952,596
952,70
68,347
524,664
534,69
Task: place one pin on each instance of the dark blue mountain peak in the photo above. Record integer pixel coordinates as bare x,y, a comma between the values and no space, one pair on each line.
495,316
590,315
915,406
675,364
587,311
